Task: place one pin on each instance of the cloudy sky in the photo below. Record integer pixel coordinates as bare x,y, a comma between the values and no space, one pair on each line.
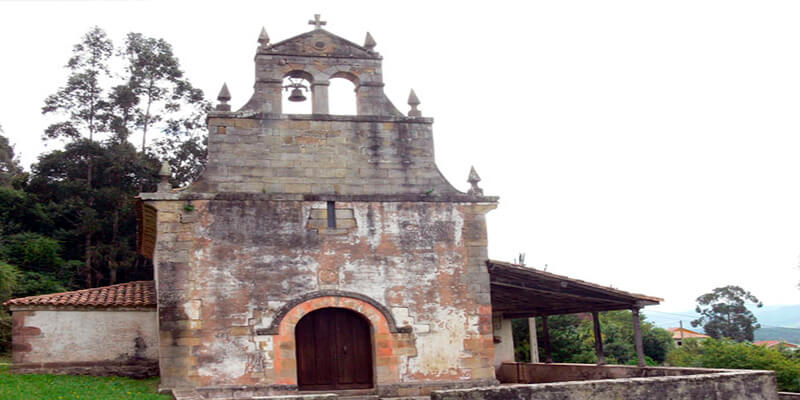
649,145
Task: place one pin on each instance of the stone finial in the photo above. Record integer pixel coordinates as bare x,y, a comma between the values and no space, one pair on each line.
413,101
473,181
224,97
369,42
263,38
164,173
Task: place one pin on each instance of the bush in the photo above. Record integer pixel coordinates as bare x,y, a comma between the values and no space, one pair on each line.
9,276
725,353
32,251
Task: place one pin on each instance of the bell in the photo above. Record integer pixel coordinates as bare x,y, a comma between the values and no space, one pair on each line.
297,95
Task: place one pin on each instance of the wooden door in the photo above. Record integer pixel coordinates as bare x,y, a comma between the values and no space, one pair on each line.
334,351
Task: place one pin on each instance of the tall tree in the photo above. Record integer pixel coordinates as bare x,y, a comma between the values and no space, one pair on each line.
156,81
185,145
9,165
120,171
723,313
83,104
81,100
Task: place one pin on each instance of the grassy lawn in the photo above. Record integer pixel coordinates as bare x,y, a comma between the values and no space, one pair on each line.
67,387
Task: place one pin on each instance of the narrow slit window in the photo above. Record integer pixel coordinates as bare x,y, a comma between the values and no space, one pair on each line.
331,215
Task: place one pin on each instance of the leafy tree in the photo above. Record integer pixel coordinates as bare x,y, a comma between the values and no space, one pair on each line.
184,145
572,339
723,313
20,212
154,81
9,165
83,104
81,100
34,251
110,218
9,276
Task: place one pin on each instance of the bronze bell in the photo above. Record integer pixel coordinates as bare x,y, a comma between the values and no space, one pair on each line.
297,95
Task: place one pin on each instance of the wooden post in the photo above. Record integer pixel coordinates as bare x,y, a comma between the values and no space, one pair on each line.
534,340
637,335
598,339
546,333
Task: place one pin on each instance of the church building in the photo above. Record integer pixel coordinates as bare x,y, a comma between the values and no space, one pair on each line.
317,252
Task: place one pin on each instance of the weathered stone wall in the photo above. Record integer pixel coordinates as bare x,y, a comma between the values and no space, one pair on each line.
561,372
97,342
236,274
318,57
245,252
745,385
314,154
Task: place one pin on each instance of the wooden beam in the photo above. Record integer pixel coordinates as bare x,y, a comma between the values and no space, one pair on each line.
530,312
559,293
546,337
637,337
598,339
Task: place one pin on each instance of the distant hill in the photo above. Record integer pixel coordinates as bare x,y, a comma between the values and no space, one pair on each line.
791,335
778,322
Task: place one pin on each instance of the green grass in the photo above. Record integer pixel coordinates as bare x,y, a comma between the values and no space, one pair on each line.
69,387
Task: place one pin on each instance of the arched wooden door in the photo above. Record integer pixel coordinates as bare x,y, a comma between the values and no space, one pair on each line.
334,350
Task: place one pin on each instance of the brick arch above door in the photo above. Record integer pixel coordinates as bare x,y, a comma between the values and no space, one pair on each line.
313,299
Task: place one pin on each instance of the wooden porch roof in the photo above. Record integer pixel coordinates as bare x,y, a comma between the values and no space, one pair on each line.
522,292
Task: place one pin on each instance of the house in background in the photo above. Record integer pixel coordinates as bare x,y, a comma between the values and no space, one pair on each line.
680,334
777,344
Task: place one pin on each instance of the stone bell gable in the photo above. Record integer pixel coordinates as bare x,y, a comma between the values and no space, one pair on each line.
319,56
378,151
320,251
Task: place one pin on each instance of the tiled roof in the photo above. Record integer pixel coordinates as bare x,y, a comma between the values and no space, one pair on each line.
687,334
131,294
774,343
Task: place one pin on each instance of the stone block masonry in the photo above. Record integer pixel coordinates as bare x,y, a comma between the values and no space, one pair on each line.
230,278
298,213
740,385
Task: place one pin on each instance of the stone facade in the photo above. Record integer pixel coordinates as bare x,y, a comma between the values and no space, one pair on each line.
248,250
85,341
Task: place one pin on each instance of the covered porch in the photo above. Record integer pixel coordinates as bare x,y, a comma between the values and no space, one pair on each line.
522,292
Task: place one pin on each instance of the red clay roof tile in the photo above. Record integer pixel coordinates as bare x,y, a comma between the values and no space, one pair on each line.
130,294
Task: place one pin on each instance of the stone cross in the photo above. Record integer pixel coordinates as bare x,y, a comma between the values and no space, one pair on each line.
317,22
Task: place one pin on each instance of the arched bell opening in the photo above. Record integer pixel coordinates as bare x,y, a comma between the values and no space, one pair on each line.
296,95
334,350
342,94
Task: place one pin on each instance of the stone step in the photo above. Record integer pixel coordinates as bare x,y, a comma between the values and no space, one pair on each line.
317,396
360,397
186,394
407,398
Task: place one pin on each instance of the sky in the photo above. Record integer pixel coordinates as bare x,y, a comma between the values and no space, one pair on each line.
652,146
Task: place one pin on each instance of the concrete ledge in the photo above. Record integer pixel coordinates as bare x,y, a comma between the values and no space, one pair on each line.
788,396
384,198
320,117
563,372
743,385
